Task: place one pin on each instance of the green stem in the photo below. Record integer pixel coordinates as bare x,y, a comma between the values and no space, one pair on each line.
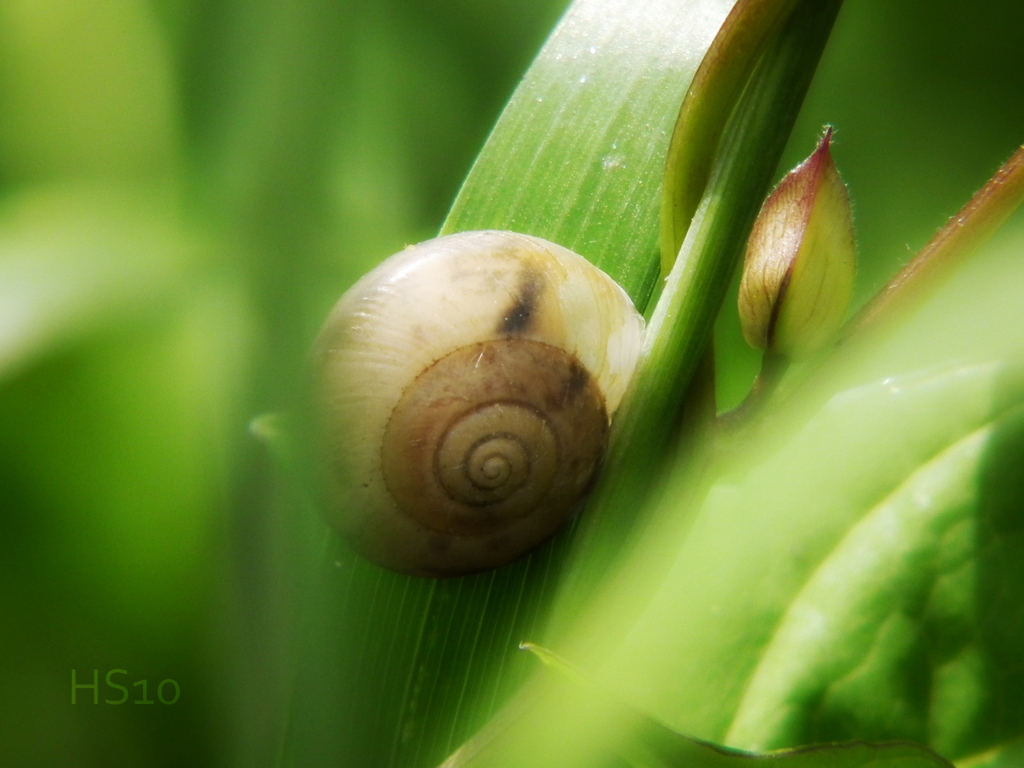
713,93
952,245
682,322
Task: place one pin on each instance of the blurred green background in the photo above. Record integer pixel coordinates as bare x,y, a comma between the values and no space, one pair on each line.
185,190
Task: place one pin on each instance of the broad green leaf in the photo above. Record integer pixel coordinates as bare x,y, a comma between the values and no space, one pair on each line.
903,582
767,525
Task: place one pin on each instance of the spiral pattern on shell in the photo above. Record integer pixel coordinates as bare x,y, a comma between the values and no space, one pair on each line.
470,450
465,388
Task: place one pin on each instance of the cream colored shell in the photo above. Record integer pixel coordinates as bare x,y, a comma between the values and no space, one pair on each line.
493,305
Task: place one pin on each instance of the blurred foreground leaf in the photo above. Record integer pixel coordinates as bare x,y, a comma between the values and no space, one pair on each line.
852,572
574,724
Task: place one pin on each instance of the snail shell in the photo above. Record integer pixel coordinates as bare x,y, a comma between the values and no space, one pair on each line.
464,390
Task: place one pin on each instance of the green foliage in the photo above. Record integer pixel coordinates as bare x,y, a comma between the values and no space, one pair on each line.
185,188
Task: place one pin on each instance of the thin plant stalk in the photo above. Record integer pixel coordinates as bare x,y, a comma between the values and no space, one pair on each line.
682,322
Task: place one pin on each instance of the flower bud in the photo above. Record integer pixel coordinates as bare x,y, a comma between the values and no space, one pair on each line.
801,260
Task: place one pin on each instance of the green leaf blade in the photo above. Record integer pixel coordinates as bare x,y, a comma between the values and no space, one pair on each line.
581,166
579,152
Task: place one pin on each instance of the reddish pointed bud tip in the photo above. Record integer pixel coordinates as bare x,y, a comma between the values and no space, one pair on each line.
801,260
